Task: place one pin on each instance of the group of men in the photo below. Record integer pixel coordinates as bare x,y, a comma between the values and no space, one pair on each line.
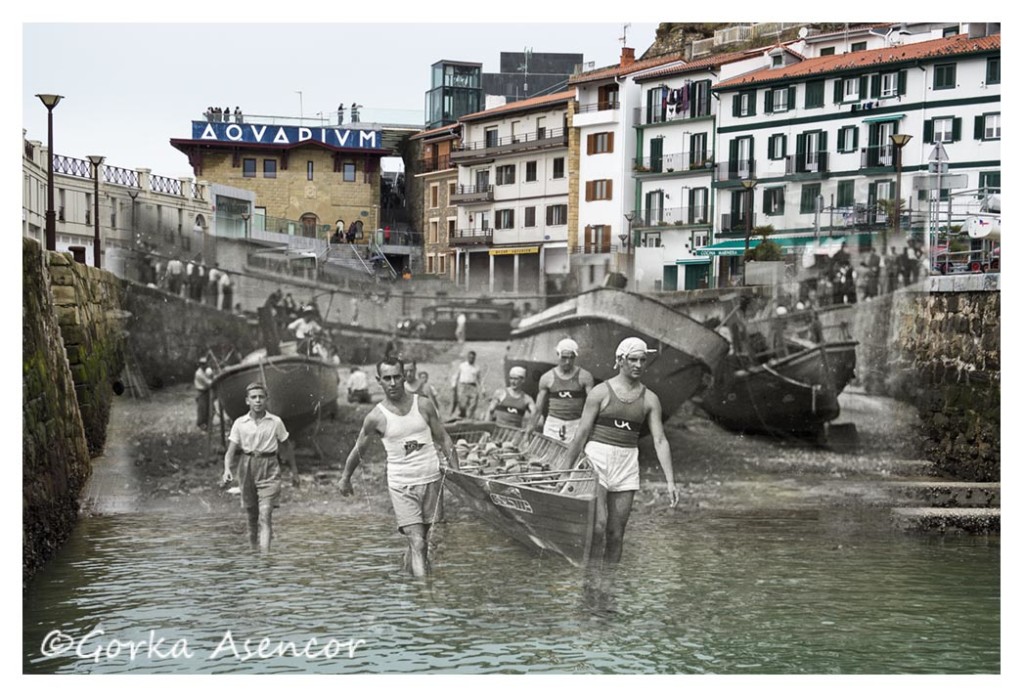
602,421
196,281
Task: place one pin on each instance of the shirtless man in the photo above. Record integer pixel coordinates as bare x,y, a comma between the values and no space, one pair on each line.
562,391
609,432
409,428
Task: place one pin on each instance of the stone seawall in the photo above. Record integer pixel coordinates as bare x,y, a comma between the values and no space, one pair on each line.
72,349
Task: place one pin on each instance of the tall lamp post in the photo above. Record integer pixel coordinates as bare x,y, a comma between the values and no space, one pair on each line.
96,161
245,224
627,240
749,185
50,101
898,140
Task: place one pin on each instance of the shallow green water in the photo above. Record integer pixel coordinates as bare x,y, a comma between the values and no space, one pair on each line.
817,593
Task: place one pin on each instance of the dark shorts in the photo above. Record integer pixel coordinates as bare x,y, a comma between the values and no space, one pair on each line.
259,478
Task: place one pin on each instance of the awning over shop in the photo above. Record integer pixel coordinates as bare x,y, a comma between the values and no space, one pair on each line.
694,260
788,243
883,117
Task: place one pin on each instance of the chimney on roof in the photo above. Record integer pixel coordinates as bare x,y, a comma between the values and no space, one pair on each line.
628,57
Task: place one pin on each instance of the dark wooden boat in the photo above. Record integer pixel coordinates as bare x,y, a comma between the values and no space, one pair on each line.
550,511
688,352
300,389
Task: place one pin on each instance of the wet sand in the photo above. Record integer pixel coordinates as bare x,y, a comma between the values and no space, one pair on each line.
157,458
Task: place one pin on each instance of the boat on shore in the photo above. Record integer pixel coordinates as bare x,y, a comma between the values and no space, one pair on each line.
515,481
300,389
688,351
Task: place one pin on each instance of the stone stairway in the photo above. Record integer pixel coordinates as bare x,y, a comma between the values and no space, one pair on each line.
346,257
947,507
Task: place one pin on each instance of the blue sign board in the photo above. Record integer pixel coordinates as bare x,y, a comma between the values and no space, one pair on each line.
267,134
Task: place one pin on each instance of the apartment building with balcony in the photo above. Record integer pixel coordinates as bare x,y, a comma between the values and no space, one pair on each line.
512,195
603,149
435,212
812,138
674,167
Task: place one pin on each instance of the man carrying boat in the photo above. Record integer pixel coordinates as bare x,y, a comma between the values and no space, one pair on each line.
511,406
409,428
609,432
562,391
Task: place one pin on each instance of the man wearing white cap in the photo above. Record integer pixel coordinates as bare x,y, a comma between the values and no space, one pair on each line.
609,432
561,393
511,406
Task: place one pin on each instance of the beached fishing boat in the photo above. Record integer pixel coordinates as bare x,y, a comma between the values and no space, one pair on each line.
688,352
515,481
300,389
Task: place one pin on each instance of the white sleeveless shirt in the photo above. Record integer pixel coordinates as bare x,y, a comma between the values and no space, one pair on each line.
412,457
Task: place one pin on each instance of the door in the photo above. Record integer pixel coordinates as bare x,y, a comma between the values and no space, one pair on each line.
670,277
657,147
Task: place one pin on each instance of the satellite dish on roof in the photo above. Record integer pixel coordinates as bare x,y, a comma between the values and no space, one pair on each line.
802,33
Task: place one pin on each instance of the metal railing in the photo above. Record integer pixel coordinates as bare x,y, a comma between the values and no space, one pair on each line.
877,156
669,217
814,162
165,185
120,175
674,162
597,106
735,170
471,236
697,109
737,222
534,137
595,248
433,164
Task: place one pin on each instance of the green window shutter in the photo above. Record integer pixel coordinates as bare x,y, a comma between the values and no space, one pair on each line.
733,154
735,105
768,102
956,128
783,153
901,83
856,138
876,86
873,136
872,194
791,98
863,93
979,128
837,91
801,145
766,200
771,147
928,131
823,143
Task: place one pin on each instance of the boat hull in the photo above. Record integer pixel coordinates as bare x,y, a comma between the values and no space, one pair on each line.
558,522
300,389
598,320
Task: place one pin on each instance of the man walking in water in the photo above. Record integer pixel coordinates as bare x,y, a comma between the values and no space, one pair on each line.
409,428
262,437
511,406
609,432
562,390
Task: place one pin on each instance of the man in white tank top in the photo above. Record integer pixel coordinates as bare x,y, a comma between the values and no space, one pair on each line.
409,428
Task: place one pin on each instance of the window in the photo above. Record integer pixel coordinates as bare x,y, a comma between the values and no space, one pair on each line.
809,146
557,214
451,190
851,89
951,30
432,232
698,205
309,170
890,85
774,201
600,143
451,229
430,264
348,172
248,167
778,99
848,136
828,51
530,217
743,104
992,71
597,238
844,193
944,77
504,219
558,168
944,129
741,157
777,146
988,180
987,127
814,94
541,129
776,61
270,169
531,171
434,189
599,189
809,194
88,209
491,137
858,46
441,259
505,174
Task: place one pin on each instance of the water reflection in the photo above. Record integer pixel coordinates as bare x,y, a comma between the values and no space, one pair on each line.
693,594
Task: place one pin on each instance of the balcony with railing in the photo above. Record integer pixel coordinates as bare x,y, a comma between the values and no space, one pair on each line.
475,152
737,222
471,237
597,113
696,109
678,217
877,156
697,161
471,194
434,164
734,170
594,248
807,163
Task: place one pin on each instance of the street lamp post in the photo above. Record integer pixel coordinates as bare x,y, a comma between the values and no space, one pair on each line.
50,101
628,242
96,161
749,185
245,224
898,140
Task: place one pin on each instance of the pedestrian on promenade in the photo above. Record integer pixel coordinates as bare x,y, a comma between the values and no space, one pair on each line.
411,432
609,434
466,387
263,441
201,381
561,392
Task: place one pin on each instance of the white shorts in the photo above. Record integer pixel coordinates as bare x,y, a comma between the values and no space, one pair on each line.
553,427
617,467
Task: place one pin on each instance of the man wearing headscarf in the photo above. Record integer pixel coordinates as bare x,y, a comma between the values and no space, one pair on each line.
609,433
510,406
561,393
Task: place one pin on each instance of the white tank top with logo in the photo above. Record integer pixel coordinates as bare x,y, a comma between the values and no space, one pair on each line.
412,457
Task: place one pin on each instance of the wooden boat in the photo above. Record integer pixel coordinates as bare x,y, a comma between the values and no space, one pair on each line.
688,352
300,389
789,384
547,507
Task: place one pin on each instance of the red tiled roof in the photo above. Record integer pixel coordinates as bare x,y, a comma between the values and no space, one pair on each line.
706,63
619,69
936,48
522,105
